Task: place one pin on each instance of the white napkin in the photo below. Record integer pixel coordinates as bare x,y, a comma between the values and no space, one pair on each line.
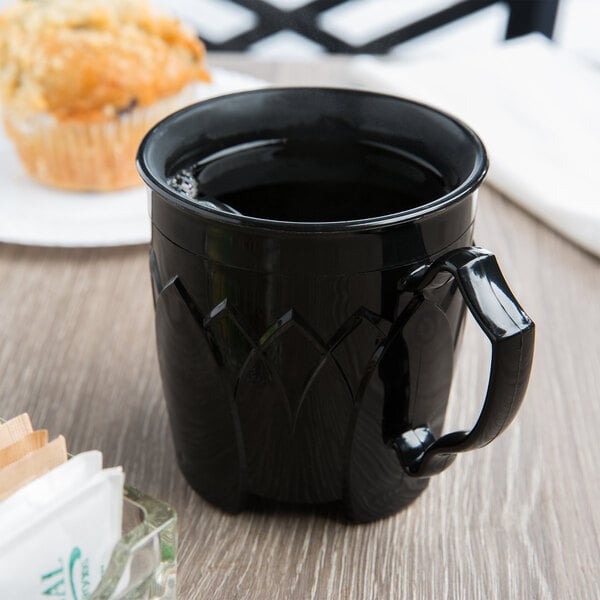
536,108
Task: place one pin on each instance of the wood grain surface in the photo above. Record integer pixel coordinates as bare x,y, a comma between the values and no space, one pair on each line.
517,519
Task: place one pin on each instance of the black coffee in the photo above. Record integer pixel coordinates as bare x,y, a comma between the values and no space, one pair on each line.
290,180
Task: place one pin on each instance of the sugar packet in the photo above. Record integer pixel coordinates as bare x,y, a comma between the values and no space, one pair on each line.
59,523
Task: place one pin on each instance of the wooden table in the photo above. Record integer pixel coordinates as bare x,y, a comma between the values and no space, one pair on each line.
518,519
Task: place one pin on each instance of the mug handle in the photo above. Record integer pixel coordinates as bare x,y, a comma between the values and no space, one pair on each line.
511,333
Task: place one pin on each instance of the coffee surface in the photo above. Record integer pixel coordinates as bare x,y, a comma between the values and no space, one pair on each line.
310,180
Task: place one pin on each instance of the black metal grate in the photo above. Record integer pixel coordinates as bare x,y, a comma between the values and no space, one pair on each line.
526,16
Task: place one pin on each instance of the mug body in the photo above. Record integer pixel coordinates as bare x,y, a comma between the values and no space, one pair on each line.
290,352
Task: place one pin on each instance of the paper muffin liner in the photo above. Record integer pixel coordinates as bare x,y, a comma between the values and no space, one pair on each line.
97,156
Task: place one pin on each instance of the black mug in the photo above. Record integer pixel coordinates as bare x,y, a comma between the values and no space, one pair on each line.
310,295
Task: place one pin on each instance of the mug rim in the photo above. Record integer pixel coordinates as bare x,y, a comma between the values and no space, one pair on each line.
179,200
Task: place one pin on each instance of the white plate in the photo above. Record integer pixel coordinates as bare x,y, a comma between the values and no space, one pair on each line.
39,216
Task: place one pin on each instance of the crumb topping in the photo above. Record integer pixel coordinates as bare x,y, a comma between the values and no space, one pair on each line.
91,59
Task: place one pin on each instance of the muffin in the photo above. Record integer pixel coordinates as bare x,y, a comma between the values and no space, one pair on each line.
82,81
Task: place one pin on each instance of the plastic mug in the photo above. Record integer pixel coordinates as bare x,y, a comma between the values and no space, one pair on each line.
308,359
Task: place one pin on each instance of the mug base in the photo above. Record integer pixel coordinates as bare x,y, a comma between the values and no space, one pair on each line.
236,501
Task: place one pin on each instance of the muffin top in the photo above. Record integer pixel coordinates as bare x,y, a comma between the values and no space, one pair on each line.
89,60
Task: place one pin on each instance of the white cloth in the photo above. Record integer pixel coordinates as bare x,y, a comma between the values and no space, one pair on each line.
537,110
